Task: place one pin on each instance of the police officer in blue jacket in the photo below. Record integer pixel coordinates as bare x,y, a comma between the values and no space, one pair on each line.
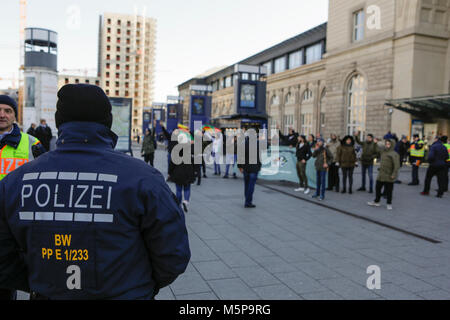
85,221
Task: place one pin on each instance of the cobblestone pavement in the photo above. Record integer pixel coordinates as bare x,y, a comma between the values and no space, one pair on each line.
289,248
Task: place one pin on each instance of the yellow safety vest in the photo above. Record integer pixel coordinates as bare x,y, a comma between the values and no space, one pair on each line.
418,153
12,158
448,150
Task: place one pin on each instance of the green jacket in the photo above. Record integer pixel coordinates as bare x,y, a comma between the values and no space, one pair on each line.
389,165
370,151
148,145
320,158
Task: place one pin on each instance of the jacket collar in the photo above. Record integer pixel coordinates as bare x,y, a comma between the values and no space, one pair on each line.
86,133
12,139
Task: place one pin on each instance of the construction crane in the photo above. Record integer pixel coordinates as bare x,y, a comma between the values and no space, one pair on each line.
23,24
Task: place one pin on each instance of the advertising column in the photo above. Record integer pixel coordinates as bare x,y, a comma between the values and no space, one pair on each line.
121,126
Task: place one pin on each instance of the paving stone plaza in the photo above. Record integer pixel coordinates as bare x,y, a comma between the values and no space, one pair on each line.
291,247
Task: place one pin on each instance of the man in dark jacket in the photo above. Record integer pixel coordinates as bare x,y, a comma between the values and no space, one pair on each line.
289,140
303,153
437,158
369,154
324,158
44,134
148,146
85,221
402,148
32,130
249,164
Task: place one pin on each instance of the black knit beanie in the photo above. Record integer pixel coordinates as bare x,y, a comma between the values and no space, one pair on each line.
83,102
7,100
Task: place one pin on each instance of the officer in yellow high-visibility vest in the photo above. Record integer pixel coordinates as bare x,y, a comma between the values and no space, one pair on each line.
16,149
444,140
416,157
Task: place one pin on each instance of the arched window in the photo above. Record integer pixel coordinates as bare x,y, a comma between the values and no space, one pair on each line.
308,96
356,104
275,101
290,99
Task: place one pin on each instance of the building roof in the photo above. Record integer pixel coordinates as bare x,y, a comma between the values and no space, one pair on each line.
425,108
309,37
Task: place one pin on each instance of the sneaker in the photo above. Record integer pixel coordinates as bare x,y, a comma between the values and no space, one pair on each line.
425,193
389,207
321,198
251,206
307,191
185,206
361,189
373,204
225,177
299,190
315,196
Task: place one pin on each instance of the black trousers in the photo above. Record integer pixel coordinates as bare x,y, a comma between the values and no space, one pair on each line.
333,177
442,175
149,158
347,174
388,191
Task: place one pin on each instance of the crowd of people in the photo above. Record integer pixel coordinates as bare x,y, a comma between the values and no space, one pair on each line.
216,148
348,153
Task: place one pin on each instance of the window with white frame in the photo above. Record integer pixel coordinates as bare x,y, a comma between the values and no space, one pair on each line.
358,25
356,105
280,64
314,53
268,65
295,59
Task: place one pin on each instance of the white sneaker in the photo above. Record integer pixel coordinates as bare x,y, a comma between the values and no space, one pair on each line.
389,207
373,204
185,205
307,191
299,190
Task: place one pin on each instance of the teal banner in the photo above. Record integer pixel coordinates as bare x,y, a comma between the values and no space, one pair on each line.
280,164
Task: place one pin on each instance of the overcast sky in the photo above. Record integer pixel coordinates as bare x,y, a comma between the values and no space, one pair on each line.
193,35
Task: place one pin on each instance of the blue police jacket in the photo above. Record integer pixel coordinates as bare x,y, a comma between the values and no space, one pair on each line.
87,222
438,155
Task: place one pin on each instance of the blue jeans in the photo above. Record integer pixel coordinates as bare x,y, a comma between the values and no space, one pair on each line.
187,192
250,182
321,180
369,169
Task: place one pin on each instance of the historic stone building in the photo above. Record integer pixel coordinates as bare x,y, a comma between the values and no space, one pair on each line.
375,66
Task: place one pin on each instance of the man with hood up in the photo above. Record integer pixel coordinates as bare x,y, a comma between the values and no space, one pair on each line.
388,173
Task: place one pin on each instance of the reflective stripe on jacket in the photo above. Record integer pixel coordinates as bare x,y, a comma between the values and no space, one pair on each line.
12,158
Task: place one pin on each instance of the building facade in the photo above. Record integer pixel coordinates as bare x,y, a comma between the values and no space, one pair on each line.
64,79
355,72
126,62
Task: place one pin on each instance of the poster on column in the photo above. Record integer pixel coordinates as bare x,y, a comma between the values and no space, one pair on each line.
121,126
